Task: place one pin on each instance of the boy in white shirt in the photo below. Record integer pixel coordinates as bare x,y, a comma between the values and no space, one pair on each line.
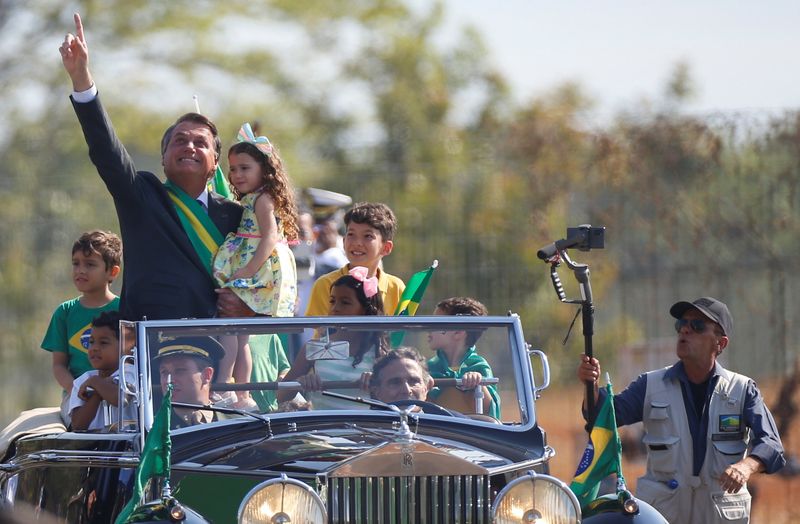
100,383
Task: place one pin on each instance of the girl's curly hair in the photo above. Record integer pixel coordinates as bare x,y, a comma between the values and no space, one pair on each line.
276,184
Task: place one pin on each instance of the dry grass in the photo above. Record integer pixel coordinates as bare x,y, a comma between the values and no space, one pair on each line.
559,413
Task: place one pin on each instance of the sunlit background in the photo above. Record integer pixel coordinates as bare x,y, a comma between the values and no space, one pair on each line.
489,127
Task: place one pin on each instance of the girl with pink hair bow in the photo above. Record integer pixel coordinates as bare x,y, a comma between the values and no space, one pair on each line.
353,294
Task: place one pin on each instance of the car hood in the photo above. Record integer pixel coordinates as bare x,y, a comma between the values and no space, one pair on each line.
315,445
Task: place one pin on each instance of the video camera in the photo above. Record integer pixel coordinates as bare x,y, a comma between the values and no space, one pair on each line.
584,238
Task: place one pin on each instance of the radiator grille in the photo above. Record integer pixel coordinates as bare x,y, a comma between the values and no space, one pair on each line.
409,500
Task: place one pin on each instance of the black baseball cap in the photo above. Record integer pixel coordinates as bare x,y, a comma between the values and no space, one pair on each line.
203,347
710,307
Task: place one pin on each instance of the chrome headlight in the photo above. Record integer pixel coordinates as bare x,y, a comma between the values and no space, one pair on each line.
282,500
539,499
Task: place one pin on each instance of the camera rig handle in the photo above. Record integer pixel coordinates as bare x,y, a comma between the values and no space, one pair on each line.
554,254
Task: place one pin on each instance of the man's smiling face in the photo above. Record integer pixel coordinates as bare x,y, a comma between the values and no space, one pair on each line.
190,156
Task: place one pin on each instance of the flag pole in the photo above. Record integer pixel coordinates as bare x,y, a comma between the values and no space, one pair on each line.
217,182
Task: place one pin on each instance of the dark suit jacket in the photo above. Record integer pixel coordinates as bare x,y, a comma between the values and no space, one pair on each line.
163,277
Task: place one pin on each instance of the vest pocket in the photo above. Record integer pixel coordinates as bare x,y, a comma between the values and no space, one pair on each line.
658,420
732,507
662,454
726,453
660,496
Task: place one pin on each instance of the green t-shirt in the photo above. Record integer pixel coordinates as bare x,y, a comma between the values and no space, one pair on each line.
439,367
269,361
69,331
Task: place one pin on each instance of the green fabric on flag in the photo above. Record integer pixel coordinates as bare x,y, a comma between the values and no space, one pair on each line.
201,230
410,300
155,457
602,456
219,185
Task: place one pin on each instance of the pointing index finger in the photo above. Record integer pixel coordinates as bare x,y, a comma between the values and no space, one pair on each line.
78,27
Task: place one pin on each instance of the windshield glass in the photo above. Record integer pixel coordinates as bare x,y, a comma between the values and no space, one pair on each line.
434,362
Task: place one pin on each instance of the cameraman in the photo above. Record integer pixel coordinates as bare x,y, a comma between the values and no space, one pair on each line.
707,429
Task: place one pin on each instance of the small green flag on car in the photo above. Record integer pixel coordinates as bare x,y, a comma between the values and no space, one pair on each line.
603,453
155,457
411,298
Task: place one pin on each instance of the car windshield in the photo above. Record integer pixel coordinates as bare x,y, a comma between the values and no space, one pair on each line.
296,362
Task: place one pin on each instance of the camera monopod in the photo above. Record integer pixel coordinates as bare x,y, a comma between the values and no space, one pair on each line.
583,238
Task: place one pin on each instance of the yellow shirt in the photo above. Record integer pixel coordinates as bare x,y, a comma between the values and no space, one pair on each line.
391,289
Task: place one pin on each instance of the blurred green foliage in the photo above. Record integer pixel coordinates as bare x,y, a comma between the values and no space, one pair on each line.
363,97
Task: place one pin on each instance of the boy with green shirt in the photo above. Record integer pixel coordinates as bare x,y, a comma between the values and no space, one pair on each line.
96,259
456,357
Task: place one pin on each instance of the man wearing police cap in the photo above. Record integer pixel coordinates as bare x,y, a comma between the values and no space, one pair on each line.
189,363
707,429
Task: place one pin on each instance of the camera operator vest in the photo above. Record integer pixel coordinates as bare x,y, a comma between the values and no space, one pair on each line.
669,484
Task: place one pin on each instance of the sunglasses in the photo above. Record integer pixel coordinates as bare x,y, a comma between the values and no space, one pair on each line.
698,325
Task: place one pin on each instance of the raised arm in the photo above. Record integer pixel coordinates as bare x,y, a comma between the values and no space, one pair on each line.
75,57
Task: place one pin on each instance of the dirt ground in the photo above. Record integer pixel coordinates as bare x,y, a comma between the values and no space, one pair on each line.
558,412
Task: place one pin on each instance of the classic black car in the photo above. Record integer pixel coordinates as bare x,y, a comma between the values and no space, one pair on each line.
340,458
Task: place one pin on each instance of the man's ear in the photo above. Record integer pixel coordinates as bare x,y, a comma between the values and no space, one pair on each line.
207,374
722,343
387,248
114,273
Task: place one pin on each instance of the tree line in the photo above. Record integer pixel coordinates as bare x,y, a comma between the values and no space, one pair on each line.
362,98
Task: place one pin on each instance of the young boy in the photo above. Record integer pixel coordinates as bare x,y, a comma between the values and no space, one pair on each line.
96,257
456,357
370,228
101,383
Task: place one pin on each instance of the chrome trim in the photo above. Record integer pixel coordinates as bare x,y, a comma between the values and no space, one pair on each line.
79,458
549,453
537,391
409,500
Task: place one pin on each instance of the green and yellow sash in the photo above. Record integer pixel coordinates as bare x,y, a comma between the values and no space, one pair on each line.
202,232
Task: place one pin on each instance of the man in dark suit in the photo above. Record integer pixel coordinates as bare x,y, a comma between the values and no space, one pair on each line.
165,227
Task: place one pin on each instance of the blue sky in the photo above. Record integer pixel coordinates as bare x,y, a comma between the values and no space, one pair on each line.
743,56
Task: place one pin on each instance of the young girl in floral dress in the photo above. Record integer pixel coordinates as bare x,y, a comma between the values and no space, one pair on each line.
256,261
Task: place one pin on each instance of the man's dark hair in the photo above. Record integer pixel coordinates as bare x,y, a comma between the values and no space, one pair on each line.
393,356
374,214
197,118
464,306
105,243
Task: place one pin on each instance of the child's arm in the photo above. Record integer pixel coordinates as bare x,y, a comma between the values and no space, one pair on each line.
104,389
83,415
300,367
61,371
84,404
268,226
471,379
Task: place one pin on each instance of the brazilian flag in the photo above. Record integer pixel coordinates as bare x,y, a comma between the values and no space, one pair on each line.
411,298
219,185
155,458
603,453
